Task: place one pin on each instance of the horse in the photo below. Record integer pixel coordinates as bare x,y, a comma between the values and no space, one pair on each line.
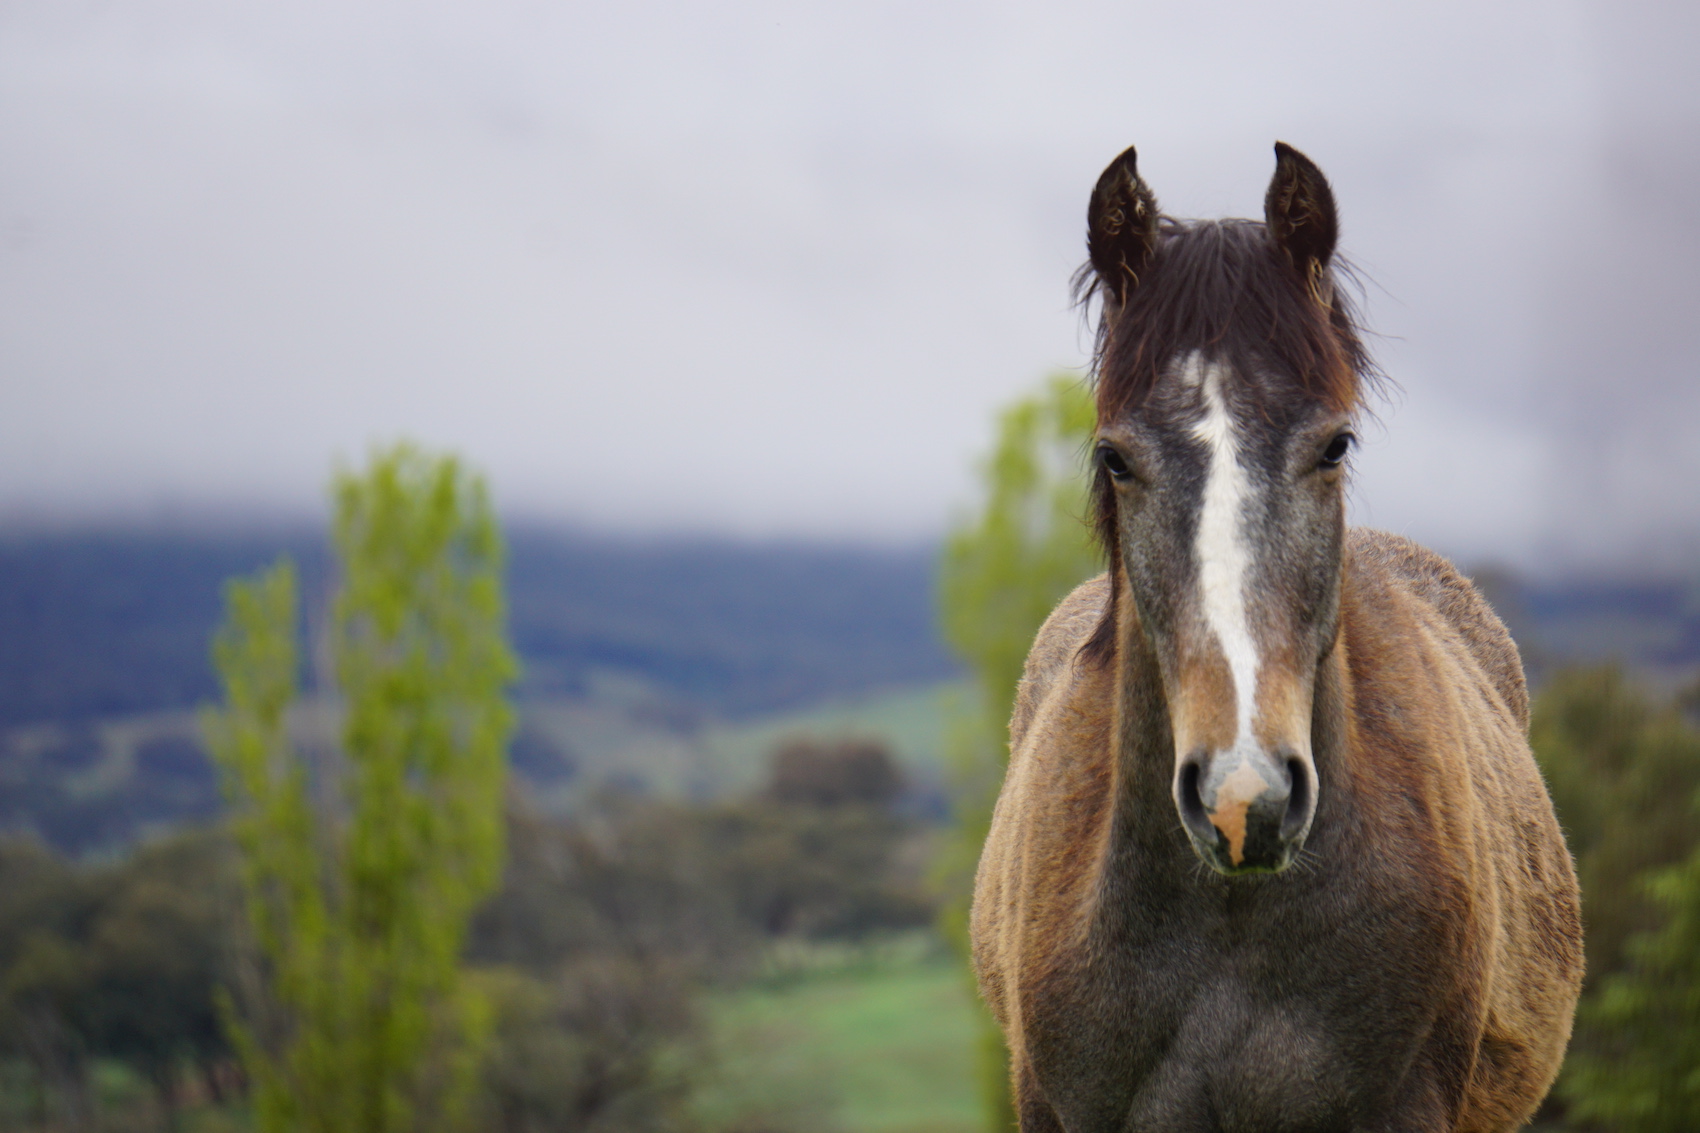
1272,854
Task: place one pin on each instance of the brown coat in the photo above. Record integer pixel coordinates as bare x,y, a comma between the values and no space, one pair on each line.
1416,969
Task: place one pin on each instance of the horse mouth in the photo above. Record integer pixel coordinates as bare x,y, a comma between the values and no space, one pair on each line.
1255,856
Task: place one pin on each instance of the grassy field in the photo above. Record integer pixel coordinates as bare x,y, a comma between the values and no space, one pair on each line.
878,1042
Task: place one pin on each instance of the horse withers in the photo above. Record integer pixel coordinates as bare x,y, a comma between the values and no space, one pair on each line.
1272,853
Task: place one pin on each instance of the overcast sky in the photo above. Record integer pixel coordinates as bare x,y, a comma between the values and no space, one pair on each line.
770,269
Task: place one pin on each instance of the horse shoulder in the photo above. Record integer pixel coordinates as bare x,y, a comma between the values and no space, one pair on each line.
1449,684
1037,857
1054,649
1437,583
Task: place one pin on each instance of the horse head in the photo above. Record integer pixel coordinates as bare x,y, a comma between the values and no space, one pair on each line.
1228,371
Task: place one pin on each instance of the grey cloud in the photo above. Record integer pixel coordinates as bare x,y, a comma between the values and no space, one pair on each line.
773,271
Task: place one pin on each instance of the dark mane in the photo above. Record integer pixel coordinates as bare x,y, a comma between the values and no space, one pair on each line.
1221,287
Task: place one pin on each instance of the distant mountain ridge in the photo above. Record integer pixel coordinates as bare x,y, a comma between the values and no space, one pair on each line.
649,664
631,649
1651,625
106,624
98,624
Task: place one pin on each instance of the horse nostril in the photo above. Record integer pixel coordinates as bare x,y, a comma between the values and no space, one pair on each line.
1260,810
1298,801
1191,802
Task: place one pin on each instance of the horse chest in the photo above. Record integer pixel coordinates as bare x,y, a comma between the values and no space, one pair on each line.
1224,1014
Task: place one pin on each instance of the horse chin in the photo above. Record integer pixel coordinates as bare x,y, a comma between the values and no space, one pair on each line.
1218,861
1256,858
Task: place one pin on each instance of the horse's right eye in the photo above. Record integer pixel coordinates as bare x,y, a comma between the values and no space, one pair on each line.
1335,454
1113,462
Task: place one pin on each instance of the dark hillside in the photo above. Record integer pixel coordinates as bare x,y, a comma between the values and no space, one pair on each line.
110,624
1647,624
104,653
730,629
115,624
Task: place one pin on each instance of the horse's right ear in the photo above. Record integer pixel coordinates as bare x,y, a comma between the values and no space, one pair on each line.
1121,226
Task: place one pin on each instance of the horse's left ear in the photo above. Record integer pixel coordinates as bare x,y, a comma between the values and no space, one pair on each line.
1299,211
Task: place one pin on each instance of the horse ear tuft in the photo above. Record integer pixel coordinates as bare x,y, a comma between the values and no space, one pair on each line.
1121,226
1299,211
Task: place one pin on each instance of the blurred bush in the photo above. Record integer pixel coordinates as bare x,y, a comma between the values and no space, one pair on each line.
591,1048
846,773
1624,772
591,956
606,928
117,962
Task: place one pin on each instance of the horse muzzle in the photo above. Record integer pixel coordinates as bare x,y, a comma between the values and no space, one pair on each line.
1246,811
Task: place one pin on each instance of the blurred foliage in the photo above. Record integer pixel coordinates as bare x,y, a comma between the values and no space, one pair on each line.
1001,574
157,954
589,954
847,773
1638,1069
607,928
1624,773
592,956
1005,569
115,962
586,1049
359,900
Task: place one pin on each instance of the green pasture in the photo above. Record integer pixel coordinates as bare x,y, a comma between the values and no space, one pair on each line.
868,1042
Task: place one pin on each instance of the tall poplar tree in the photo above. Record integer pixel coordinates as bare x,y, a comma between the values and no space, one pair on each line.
1002,572
362,876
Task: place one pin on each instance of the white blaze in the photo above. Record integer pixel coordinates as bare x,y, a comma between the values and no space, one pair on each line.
1223,558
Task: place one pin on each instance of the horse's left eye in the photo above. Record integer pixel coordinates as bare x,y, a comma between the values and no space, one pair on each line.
1335,453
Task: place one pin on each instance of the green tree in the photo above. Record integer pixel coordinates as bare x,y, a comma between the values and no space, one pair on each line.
155,953
360,905
45,987
1624,773
1622,770
1641,1071
1002,573
111,961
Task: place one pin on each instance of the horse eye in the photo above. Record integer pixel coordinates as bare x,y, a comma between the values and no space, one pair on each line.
1112,462
1336,450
